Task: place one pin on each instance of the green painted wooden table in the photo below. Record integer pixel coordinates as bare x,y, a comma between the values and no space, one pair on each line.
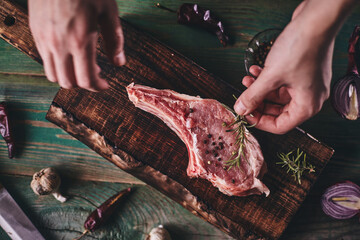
90,180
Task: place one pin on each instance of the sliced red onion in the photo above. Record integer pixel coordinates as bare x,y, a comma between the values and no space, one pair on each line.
342,200
345,95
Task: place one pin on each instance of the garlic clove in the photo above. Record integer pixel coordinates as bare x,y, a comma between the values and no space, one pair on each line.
159,233
59,197
353,104
351,202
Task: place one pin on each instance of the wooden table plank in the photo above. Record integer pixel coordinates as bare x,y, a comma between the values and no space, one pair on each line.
40,143
144,209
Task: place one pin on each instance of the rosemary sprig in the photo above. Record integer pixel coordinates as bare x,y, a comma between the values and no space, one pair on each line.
238,127
295,163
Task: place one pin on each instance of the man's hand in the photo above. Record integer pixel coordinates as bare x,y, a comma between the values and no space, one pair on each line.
296,77
65,33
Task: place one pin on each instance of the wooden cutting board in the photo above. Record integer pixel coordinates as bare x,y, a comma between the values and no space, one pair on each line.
144,146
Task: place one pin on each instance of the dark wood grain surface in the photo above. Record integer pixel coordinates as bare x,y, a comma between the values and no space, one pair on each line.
146,143
305,222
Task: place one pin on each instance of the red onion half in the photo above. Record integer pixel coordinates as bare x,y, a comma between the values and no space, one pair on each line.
345,95
342,200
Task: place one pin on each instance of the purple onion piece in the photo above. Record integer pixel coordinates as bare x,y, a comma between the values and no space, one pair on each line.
341,201
345,95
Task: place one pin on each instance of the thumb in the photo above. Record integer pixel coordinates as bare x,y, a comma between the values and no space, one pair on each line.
298,9
252,97
112,33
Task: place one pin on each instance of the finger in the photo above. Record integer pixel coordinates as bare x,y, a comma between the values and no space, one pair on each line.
50,70
247,81
113,35
291,116
251,98
65,71
279,96
47,60
272,109
255,70
264,109
86,69
49,65
298,10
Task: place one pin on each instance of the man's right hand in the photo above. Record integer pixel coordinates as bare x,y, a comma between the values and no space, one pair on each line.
296,78
65,33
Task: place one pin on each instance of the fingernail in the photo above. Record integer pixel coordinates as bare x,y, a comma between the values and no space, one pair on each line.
239,107
93,90
120,59
98,70
103,85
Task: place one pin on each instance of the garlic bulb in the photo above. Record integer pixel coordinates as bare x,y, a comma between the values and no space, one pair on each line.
47,181
159,233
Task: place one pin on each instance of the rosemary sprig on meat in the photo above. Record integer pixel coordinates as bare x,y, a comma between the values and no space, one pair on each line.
296,163
239,127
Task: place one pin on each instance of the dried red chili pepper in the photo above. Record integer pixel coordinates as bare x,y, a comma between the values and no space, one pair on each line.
193,15
102,213
5,129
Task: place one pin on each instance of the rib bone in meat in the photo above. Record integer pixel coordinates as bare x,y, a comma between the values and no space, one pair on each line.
200,125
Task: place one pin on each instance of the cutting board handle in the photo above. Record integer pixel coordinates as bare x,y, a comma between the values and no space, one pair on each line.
14,29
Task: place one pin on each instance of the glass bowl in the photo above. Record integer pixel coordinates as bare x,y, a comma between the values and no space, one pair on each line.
259,47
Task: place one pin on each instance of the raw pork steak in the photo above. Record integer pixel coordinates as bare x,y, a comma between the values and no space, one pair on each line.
199,123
